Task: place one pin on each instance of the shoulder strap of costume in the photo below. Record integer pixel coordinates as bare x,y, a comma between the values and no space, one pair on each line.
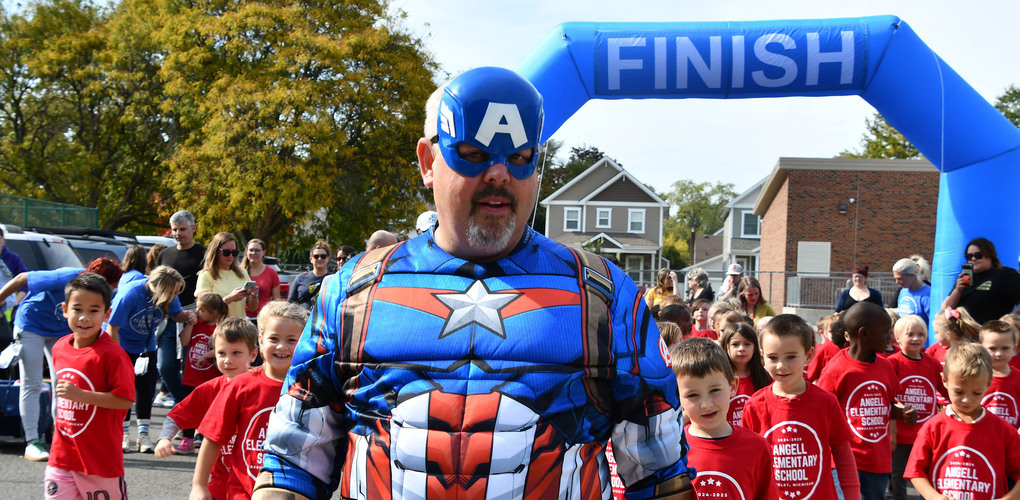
596,325
369,269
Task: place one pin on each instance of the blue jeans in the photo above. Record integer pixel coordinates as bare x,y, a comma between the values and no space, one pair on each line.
873,485
169,366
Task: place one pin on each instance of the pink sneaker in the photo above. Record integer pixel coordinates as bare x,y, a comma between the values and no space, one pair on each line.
185,446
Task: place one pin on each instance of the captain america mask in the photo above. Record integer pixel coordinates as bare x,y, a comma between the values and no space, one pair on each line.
496,111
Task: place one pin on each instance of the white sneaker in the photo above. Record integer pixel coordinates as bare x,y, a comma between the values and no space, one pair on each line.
163,400
126,443
36,451
144,443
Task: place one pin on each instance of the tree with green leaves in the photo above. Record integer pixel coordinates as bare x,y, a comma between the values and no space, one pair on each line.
298,117
697,207
1009,104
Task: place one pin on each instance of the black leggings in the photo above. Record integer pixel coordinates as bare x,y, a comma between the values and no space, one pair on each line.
145,386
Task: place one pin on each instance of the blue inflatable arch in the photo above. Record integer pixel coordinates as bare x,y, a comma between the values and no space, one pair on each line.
878,58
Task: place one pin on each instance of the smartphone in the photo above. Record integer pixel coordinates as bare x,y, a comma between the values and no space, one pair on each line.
250,284
968,270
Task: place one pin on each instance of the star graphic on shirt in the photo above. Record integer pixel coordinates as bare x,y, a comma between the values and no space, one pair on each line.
476,306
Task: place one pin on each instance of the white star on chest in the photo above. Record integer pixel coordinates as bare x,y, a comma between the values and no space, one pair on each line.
476,306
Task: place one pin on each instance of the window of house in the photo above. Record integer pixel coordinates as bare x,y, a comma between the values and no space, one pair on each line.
604,217
634,265
751,225
636,220
571,219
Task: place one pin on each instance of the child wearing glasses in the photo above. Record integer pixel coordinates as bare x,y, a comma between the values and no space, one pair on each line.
224,276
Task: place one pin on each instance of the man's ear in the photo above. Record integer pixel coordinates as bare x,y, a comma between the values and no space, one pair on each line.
425,160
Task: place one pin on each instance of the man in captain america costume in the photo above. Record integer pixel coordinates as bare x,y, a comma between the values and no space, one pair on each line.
479,359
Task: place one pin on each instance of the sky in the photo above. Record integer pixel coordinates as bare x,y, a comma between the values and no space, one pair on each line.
713,140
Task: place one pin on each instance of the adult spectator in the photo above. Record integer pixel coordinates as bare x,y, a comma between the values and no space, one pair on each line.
11,265
425,221
451,336
136,316
915,296
728,290
343,255
698,286
381,239
859,292
665,284
223,276
152,256
133,265
187,258
923,268
751,302
38,324
268,281
305,288
994,290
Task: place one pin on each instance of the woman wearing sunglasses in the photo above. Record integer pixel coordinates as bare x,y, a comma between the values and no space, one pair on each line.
992,291
305,288
223,276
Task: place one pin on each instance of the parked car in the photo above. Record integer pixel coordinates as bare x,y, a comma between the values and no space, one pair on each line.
41,251
92,243
148,241
286,277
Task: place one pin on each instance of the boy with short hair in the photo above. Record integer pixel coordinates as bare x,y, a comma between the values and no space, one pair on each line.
699,310
965,451
244,405
95,387
1003,395
866,386
715,313
803,424
235,346
732,462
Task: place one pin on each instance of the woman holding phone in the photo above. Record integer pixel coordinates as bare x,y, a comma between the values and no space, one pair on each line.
985,287
223,276
266,278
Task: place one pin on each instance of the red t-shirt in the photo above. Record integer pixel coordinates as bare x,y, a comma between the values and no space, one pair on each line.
1014,362
197,373
707,333
920,387
188,414
801,431
738,466
267,281
823,353
966,460
242,408
745,389
937,351
88,437
1003,397
866,392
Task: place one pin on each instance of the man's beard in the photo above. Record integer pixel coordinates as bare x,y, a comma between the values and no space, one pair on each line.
491,233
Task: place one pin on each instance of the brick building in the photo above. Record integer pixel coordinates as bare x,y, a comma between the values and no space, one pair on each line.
827,215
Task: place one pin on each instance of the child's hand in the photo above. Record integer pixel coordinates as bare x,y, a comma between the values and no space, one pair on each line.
910,415
164,448
199,493
68,390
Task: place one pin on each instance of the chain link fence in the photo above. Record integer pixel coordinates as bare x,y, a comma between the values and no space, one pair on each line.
23,211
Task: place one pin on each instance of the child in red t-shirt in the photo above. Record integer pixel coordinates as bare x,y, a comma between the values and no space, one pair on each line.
834,339
235,345
732,462
965,451
699,309
866,386
1003,395
740,343
244,405
199,362
95,387
921,387
802,424
1014,321
715,314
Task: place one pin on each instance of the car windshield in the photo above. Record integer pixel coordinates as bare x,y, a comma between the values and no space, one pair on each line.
44,255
